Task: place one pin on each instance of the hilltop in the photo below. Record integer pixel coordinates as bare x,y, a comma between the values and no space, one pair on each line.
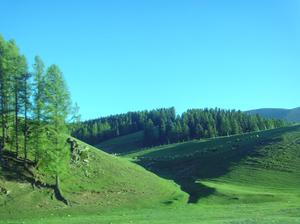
292,115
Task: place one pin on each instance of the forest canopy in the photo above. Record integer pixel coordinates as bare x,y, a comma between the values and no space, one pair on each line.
162,126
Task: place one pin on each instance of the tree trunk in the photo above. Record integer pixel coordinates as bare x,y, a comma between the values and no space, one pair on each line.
25,120
58,192
3,117
17,120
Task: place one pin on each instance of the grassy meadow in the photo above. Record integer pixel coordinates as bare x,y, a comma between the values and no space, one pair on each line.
249,178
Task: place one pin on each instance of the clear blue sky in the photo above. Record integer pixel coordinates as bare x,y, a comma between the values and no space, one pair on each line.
120,56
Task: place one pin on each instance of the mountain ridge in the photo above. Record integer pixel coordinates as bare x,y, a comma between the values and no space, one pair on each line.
291,115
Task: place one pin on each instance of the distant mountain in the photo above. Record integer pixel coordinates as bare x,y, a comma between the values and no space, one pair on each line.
292,115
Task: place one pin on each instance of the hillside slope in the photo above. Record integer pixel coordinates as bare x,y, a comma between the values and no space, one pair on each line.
123,144
251,164
99,182
250,178
292,115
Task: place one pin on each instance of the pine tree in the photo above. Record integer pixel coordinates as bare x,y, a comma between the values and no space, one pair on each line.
19,67
149,133
185,132
76,116
57,109
2,89
162,132
38,107
26,104
199,131
5,87
235,128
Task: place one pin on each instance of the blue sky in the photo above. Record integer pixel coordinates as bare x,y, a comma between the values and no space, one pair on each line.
120,56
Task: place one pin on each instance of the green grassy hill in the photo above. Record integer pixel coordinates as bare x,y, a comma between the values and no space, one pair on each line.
100,182
249,178
256,171
123,144
234,158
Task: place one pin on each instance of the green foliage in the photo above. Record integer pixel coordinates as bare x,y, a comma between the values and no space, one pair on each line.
56,111
55,159
150,133
57,97
98,130
33,114
38,127
162,127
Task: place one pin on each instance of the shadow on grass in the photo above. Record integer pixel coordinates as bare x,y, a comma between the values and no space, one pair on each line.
218,158
195,190
15,169
20,170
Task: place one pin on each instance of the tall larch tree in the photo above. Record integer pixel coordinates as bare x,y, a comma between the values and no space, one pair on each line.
18,70
57,109
5,88
38,131
25,94
2,87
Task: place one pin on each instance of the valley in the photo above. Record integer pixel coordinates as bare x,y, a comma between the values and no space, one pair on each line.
249,178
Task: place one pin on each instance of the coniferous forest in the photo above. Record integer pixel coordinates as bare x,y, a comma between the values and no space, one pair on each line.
162,126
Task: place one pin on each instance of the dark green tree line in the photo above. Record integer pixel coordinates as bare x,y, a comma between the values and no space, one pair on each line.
162,126
96,130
